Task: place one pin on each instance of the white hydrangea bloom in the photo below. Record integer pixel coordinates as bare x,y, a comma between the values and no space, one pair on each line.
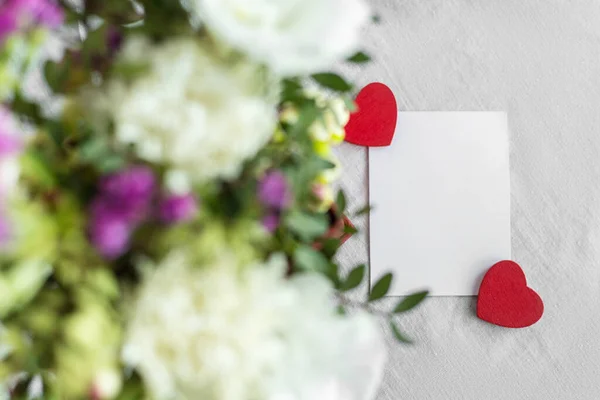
190,110
293,37
229,333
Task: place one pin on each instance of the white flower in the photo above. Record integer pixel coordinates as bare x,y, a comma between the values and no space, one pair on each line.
199,115
293,37
107,384
9,174
225,332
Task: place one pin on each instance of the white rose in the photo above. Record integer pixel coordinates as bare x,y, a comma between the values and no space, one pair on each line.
190,110
293,37
230,332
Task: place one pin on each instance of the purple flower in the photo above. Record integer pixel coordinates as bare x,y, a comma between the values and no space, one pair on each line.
129,192
21,14
271,222
175,209
137,182
103,206
273,190
8,24
123,201
110,234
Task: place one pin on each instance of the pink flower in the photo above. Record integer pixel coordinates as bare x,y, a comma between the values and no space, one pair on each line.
10,145
22,14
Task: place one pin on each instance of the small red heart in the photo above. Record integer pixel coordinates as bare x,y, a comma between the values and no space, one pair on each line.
374,123
505,300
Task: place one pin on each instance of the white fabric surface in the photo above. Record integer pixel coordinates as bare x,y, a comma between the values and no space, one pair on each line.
539,60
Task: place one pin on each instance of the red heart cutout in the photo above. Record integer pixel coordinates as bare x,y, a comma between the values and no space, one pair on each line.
374,122
505,300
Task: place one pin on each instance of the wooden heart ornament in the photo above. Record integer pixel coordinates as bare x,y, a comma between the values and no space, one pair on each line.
374,122
505,300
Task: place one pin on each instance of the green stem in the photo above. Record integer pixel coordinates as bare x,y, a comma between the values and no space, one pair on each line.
365,306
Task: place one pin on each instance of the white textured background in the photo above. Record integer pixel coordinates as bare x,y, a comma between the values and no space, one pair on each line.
539,60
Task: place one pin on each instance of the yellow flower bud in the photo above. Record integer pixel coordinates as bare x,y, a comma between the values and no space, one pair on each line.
279,135
322,149
338,136
322,179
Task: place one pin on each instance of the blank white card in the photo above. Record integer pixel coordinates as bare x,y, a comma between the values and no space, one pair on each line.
441,197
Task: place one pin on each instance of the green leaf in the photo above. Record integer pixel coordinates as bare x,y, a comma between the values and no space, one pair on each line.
332,81
307,226
399,335
365,210
129,70
330,246
291,91
95,44
38,170
93,149
410,302
354,279
381,288
27,109
116,12
332,272
56,131
21,283
376,19
133,389
56,74
350,230
307,116
360,58
350,104
71,16
111,163
308,259
103,282
291,84
323,164
340,202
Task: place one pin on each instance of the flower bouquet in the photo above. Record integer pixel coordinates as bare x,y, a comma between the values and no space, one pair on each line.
168,226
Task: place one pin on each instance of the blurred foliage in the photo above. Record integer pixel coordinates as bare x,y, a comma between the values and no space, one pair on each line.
61,302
